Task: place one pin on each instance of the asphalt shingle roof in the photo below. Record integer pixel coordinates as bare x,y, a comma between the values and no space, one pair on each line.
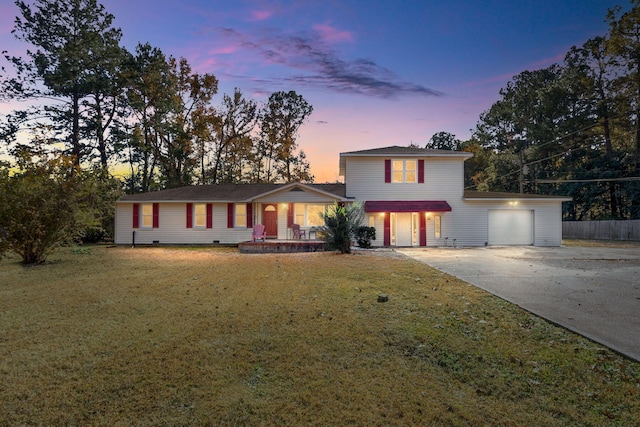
398,150
223,192
498,195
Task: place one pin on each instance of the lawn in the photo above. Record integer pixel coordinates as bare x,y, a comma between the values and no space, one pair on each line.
179,336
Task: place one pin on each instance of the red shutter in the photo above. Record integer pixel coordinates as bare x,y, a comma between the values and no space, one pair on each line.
290,215
209,215
423,228
387,228
421,172
189,215
156,215
229,215
249,215
387,170
136,215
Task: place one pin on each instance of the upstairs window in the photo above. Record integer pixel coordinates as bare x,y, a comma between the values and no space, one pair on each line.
404,171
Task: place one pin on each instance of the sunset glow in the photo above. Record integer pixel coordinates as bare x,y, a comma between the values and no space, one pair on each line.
376,76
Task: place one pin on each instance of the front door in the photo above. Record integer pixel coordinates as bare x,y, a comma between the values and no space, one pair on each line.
270,220
404,229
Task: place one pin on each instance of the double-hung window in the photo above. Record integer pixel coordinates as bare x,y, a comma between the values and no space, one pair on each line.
200,215
240,215
309,214
146,215
404,171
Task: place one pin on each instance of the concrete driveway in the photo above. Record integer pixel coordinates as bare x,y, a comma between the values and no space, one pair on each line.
592,291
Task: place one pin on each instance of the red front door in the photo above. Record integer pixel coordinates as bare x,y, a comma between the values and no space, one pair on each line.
270,220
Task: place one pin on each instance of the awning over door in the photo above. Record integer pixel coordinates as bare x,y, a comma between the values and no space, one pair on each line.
407,206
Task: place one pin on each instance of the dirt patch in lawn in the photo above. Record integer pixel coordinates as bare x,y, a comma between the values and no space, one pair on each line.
178,336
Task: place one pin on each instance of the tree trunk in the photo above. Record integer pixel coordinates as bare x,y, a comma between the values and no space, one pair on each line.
75,131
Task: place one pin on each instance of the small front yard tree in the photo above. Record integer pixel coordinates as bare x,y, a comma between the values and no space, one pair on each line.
341,222
40,206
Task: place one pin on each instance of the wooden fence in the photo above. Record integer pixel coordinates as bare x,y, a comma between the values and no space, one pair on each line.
601,230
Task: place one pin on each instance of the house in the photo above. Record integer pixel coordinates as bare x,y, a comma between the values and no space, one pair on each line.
412,196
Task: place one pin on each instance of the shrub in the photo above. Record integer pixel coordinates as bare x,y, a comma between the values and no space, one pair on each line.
364,236
340,224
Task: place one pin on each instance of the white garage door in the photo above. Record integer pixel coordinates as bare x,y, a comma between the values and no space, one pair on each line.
510,227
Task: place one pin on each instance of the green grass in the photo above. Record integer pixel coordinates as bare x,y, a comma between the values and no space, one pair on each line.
164,336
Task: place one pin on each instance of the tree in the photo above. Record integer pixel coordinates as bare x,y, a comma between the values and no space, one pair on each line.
232,144
341,223
76,54
624,42
593,69
40,206
171,107
280,121
444,141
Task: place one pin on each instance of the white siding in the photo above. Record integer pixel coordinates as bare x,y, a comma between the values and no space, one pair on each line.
173,229
296,196
364,178
467,223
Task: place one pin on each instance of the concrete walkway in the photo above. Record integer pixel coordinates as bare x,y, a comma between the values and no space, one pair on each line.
592,291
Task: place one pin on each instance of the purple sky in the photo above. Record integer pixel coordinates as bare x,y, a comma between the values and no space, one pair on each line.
377,73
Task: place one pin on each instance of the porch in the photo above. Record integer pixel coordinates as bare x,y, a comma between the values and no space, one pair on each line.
281,246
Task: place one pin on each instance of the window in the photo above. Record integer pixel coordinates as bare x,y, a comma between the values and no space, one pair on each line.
241,215
200,215
372,221
436,220
309,215
146,217
404,171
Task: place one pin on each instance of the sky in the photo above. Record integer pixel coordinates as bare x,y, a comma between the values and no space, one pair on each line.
377,73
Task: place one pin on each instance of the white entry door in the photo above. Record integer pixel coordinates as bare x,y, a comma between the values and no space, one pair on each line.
402,229
510,227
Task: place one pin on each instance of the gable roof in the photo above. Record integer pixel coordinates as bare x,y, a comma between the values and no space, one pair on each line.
228,192
399,151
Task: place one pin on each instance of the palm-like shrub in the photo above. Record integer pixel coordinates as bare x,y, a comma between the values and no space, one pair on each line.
341,222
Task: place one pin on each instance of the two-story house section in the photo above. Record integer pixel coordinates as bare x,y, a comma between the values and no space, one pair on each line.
412,196
416,197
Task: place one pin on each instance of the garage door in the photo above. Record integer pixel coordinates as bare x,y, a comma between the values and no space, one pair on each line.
510,227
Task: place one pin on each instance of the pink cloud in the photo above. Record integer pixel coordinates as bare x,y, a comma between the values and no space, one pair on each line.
330,34
260,15
229,49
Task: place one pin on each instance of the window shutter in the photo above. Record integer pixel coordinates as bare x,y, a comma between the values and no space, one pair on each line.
136,215
423,228
189,215
249,215
420,171
209,215
387,228
229,215
387,170
156,215
290,215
